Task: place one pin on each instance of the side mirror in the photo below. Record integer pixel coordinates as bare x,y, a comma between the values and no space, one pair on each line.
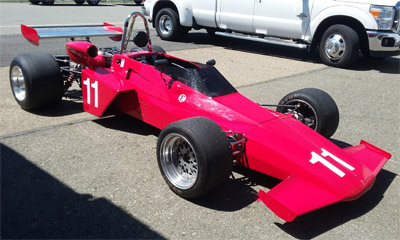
161,63
211,62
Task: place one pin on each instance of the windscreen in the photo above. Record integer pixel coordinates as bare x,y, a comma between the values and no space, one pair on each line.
207,79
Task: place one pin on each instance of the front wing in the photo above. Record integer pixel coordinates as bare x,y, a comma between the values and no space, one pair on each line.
296,195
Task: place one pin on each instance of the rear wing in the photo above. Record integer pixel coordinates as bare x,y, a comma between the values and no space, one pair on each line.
34,34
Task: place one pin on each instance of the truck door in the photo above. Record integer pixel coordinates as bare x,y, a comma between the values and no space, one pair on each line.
282,18
204,11
235,15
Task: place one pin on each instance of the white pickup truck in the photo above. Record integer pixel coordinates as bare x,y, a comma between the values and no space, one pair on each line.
338,28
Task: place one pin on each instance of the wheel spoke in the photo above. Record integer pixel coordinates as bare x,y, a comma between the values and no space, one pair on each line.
303,112
335,47
18,83
179,161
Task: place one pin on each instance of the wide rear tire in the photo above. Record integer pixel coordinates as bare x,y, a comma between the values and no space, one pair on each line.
194,156
314,107
36,81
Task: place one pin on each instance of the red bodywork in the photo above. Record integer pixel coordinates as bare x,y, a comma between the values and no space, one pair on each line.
315,172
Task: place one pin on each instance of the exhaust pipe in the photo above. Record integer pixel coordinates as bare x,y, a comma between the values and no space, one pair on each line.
85,53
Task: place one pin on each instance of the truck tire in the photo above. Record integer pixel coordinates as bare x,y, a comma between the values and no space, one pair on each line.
93,2
168,26
339,46
36,81
194,156
315,108
79,2
47,2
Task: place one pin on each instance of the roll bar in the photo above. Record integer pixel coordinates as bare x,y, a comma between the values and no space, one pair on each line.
128,28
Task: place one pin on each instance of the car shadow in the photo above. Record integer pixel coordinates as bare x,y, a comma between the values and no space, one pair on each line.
388,65
36,205
128,4
126,123
74,4
238,192
339,143
64,108
316,223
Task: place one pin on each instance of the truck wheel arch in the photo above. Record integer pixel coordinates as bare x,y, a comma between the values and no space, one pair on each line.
351,22
185,13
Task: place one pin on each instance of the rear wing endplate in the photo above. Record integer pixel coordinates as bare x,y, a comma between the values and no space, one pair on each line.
34,34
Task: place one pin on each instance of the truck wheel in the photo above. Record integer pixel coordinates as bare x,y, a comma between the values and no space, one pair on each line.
168,26
34,2
194,156
93,2
138,2
339,46
36,81
79,2
313,107
47,2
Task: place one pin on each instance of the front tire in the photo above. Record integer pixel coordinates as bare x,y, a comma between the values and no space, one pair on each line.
167,25
36,81
194,156
339,46
314,107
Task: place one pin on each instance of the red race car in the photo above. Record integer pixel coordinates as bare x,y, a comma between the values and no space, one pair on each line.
207,126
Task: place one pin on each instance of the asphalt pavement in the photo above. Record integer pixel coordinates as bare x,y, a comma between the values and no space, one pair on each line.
67,174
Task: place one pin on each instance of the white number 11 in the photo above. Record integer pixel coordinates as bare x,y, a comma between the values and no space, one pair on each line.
317,158
95,86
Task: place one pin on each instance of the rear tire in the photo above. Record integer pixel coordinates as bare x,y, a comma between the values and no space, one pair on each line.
168,27
315,108
138,2
36,81
194,156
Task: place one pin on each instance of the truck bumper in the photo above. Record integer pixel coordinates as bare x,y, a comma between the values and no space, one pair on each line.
382,44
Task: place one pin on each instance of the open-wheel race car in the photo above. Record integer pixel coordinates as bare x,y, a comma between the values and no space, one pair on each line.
207,127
